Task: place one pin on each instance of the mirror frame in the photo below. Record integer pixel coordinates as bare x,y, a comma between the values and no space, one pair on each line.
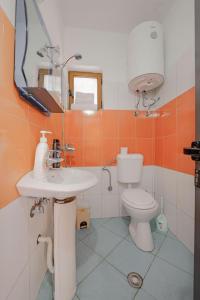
39,97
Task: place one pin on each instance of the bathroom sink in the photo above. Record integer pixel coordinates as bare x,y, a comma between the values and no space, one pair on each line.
59,184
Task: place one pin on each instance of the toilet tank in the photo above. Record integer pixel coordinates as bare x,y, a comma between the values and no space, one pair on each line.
129,167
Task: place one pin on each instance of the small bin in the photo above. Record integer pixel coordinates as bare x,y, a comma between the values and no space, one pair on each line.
83,218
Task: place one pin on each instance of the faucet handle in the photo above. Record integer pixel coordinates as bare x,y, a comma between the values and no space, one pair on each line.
69,148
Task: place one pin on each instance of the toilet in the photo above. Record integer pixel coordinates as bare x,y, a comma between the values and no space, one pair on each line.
139,204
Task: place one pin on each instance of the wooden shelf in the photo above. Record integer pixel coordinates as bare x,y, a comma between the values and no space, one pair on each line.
45,98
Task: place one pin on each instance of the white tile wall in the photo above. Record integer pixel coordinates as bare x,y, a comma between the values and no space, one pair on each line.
158,183
116,95
186,194
125,100
14,250
109,95
170,186
22,261
186,70
110,205
21,289
168,90
171,215
178,192
179,35
185,229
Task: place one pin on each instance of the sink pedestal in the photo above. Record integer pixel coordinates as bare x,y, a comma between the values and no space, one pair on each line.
64,183
65,248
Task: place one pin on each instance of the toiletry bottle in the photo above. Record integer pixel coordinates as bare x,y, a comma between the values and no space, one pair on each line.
41,157
56,147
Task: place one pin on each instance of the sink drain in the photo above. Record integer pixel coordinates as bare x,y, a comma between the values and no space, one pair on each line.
135,280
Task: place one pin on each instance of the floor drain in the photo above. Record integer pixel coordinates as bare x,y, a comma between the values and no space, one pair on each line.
135,280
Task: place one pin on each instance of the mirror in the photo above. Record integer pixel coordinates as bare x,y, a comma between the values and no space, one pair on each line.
38,81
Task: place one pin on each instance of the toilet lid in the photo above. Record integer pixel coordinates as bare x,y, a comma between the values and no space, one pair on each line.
138,198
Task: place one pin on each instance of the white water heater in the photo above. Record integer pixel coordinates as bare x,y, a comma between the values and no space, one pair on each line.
146,57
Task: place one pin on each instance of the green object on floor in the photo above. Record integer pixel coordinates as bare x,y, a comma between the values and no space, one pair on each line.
161,220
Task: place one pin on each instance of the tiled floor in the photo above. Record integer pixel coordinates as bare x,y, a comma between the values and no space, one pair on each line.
106,254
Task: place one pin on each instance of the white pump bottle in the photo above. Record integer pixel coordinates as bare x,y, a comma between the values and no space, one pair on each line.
41,155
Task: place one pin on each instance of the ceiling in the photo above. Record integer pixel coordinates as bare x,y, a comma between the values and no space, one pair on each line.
112,15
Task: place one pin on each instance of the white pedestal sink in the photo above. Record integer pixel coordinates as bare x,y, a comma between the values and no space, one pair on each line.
62,185
59,184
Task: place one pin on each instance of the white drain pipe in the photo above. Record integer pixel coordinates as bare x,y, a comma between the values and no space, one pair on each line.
48,241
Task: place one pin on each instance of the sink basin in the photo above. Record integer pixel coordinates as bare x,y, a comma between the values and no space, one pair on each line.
59,184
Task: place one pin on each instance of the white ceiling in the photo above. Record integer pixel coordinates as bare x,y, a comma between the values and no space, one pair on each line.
112,15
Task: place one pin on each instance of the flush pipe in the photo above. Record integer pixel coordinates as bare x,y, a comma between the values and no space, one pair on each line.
48,241
110,179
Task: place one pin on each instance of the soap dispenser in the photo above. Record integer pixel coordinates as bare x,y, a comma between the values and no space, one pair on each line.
41,155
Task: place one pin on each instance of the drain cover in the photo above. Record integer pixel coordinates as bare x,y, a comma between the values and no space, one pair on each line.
135,280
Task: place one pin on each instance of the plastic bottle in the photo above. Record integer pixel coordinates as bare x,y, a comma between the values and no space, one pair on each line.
41,155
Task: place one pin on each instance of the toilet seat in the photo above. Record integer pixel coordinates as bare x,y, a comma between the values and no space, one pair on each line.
138,198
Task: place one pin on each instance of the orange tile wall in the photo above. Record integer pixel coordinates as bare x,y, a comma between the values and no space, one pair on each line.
174,132
98,138
19,122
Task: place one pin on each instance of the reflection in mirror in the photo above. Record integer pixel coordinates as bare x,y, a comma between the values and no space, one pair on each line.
85,90
37,39
36,77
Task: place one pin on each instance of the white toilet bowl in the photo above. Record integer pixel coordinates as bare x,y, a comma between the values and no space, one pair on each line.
142,208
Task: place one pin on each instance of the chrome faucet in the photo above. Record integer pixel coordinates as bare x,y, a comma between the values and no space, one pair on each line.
51,159
69,148
38,207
